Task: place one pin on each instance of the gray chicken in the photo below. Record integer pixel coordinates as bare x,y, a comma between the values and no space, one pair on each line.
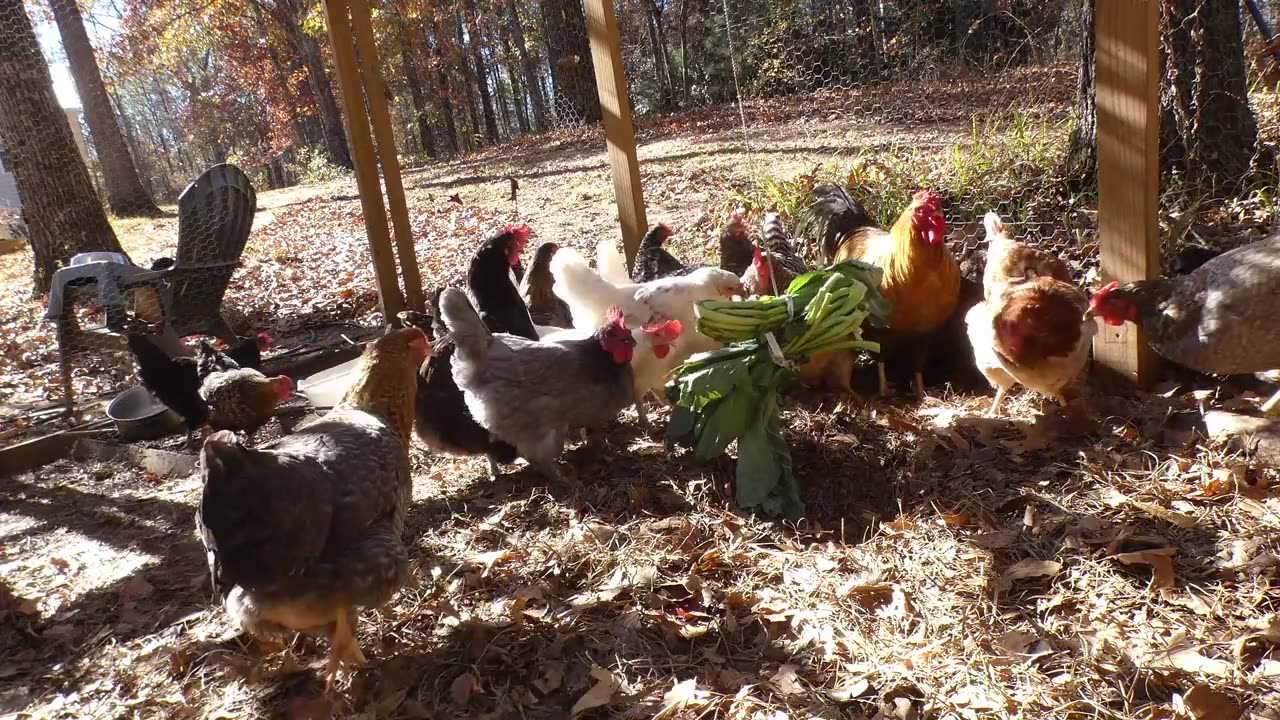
303,532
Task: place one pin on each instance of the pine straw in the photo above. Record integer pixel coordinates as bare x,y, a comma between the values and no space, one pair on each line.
952,566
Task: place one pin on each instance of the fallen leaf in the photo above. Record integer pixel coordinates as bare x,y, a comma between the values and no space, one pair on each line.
1032,568
1160,560
995,540
1190,660
872,597
1205,703
461,688
786,680
600,694
1016,642
682,695
136,589
849,691
552,676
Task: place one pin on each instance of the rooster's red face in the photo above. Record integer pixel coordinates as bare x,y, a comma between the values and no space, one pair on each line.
926,217
519,233
761,264
616,339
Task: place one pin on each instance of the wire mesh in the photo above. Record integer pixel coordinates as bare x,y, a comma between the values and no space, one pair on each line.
977,99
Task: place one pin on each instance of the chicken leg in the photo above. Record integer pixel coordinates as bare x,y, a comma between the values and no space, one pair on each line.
345,652
995,404
1269,407
884,381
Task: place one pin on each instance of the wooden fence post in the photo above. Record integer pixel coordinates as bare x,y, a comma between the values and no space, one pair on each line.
619,132
362,156
1128,102
376,92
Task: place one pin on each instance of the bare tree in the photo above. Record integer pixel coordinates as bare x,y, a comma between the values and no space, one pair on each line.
61,209
126,195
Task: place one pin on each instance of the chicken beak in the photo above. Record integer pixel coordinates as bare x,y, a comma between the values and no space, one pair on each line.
1089,315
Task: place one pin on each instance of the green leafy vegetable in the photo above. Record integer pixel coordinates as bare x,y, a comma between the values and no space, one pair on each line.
732,393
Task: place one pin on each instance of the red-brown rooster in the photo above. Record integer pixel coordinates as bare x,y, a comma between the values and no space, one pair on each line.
921,276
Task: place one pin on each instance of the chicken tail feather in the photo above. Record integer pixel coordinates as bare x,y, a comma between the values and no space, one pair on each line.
587,294
613,267
470,336
831,216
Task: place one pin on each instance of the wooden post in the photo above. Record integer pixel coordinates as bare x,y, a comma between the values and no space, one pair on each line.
376,91
362,157
619,132
1128,86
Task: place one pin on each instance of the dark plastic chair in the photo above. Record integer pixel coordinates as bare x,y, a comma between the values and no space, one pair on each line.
215,217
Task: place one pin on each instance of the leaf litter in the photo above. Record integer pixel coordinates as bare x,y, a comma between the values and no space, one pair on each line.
950,565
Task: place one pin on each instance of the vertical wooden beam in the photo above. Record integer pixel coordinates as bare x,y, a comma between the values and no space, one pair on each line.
362,156
619,132
1128,86
376,92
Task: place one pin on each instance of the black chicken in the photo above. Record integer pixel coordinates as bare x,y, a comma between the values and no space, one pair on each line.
653,261
443,421
247,353
174,381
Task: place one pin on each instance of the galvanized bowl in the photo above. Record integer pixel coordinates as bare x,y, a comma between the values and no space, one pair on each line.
138,415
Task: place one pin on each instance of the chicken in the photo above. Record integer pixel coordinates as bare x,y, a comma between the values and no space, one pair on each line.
1010,262
490,286
173,381
245,354
443,421
771,272
304,532
243,399
653,261
1219,318
610,263
671,298
1191,257
921,276
545,308
736,249
531,394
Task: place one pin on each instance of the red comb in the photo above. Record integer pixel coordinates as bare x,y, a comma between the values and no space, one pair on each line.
520,230
265,339
664,332
927,197
1102,294
614,316
666,229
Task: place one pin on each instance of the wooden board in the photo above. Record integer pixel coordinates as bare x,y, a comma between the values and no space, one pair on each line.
338,18
1128,79
376,93
619,132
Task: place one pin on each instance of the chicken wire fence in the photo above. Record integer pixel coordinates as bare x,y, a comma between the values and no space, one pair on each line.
977,99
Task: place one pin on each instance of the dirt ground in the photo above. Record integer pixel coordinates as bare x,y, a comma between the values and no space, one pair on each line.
1107,561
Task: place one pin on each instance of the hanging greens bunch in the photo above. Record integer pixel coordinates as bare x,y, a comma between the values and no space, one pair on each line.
732,393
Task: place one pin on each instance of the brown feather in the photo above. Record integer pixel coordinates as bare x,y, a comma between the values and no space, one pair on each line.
1039,319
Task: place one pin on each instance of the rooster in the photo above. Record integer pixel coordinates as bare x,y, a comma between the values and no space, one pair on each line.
303,532
1030,329
531,394
545,308
1219,318
654,261
173,381
921,276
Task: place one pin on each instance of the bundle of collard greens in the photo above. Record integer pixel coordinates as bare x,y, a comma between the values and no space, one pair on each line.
732,393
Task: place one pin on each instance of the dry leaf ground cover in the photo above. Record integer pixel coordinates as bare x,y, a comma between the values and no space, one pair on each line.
1109,562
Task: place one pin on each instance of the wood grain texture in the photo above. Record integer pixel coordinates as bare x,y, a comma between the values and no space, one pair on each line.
1128,105
375,89
338,18
619,132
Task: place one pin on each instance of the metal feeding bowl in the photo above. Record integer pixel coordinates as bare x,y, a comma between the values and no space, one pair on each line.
138,415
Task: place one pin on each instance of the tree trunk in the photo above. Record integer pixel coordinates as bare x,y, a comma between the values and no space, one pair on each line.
481,72
684,51
1082,156
1208,129
462,63
290,16
532,78
569,53
61,210
442,84
125,194
421,108
653,23
518,92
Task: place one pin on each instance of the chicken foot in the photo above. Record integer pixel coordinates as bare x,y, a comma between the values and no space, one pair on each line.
345,652
995,404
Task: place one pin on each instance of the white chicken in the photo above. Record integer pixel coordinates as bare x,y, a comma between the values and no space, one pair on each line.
661,345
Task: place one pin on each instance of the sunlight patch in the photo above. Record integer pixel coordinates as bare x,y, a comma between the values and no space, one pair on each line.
69,566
